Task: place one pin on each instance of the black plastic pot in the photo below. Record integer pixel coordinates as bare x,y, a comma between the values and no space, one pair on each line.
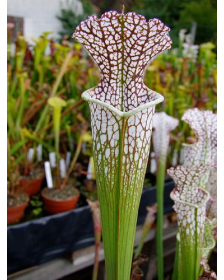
38,241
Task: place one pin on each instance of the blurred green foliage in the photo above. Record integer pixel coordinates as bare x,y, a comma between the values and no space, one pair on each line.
35,74
204,13
185,82
179,14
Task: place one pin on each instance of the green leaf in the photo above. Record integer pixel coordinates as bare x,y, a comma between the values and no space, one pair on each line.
37,211
17,146
20,158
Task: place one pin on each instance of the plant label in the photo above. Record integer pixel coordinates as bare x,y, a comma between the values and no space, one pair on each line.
90,172
30,154
39,152
52,158
62,168
47,168
67,160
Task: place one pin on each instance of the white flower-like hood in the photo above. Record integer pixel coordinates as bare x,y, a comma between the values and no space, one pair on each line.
204,124
122,45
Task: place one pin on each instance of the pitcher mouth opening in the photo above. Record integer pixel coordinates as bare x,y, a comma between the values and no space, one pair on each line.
199,205
159,98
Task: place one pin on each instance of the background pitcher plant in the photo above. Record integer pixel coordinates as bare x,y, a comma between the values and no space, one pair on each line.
195,196
122,107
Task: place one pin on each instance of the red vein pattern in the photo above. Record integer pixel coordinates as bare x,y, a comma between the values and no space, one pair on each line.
122,46
208,240
204,151
188,196
212,189
204,124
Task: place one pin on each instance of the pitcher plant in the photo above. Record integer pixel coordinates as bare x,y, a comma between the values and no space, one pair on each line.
195,182
122,108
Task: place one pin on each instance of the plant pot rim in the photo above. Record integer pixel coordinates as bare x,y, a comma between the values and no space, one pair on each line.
26,178
60,200
19,205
